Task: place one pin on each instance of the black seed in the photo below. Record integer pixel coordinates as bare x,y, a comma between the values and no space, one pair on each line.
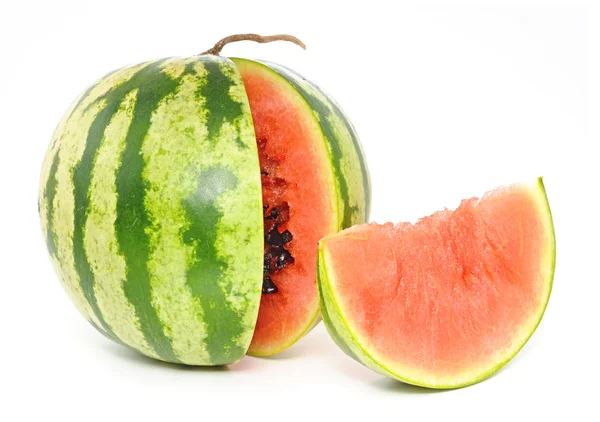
274,238
287,237
269,287
283,259
283,213
267,266
275,252
276,257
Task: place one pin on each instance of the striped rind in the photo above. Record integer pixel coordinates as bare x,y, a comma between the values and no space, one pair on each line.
346,155
101,246
337,323
150,203
56,192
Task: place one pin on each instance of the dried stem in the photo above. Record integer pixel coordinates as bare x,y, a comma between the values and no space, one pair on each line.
252,37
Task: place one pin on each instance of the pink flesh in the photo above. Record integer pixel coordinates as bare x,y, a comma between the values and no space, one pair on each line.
449,291
288,149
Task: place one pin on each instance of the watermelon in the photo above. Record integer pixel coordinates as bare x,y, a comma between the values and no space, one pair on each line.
179,195
449,300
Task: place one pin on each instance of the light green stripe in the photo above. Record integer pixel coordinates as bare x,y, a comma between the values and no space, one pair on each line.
238,237
82,176
195,180
176,125
132,221
70,153
48,172
147,274
48,211
69,140
345,130
330,315
48,181
100,241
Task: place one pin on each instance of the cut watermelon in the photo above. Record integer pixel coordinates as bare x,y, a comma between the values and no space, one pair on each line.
445,302
314,182
155,217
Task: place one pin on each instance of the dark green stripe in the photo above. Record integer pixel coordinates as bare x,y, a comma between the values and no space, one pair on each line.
223,324
50,193
323,112
82,179
132,222
366,181
221,107
205,275
52,183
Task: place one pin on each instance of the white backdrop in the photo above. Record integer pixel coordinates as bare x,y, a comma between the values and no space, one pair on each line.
449,101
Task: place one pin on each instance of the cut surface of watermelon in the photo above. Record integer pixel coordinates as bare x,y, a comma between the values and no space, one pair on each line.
299,204
447,301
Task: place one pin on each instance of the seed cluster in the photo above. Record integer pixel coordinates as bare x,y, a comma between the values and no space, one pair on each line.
276,214
277,257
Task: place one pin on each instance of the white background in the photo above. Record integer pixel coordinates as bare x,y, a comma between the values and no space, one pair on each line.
449,101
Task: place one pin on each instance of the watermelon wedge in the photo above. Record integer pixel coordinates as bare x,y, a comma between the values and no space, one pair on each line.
449,300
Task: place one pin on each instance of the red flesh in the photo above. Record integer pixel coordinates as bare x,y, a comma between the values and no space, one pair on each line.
449,291
288,149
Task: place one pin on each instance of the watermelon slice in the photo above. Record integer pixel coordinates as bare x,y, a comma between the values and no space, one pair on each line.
445,302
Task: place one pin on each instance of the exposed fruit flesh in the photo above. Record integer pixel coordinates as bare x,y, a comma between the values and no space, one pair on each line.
276,215
448,300
298,188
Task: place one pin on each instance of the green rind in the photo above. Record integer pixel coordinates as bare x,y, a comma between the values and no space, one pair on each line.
132,222
47,193
215,226
50,193
149,97
345,151
202,208
345,143
313,321
345,337
328,310
57,205
336,324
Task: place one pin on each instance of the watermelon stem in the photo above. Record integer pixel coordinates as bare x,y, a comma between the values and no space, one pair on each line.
252,37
